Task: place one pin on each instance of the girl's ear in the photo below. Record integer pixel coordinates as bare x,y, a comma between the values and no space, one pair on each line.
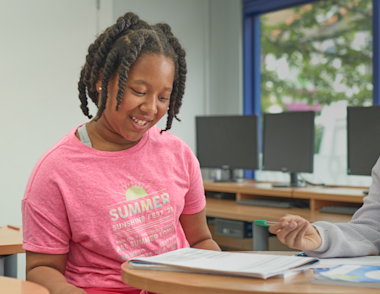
99,81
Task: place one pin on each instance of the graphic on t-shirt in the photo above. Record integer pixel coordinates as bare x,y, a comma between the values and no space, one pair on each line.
143,224
135,190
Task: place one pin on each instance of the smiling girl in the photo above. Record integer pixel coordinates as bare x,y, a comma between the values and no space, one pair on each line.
117,187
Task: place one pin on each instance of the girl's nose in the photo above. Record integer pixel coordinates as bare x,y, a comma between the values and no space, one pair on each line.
149,105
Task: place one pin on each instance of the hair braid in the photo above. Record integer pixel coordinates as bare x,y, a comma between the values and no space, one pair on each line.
85,78
84,81
137,38
107,72
83,96
179,84
121,25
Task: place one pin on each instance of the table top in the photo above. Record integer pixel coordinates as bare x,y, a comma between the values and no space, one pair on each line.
230,210
345,194
186,283
15,286
10,241
249,186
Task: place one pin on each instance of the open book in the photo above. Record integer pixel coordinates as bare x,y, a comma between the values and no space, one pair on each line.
193,260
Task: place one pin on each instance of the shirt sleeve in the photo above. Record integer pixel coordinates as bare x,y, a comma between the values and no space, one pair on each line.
195,200
46,227
360,236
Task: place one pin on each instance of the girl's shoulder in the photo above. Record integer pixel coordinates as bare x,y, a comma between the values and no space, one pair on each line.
60,150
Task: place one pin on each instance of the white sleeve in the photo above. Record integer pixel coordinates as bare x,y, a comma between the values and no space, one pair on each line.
360,236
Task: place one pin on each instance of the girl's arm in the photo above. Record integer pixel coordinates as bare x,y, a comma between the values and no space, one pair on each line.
196,230
48,270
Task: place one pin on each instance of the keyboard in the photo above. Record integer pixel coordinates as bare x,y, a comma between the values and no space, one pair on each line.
339,209
272,203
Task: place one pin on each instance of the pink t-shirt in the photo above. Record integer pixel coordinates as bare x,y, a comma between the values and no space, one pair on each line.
103,208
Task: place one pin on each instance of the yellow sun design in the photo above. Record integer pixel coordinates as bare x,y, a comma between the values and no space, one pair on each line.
135,190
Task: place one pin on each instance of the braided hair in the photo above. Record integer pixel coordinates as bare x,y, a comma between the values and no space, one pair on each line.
117,49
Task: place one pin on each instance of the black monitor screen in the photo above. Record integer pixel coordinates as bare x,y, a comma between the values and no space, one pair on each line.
227,141
363,139
288,141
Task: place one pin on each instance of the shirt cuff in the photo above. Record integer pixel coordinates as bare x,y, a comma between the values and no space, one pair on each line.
324,245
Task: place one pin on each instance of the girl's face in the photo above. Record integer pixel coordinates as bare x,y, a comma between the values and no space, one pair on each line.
145,100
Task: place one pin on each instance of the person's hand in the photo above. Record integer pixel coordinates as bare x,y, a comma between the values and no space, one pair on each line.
296,232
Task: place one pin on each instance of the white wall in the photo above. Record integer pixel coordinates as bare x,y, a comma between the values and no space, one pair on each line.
43,46
226,55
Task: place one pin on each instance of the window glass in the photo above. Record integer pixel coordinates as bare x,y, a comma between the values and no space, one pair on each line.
319,57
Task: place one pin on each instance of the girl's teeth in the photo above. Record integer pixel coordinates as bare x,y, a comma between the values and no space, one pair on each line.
139,122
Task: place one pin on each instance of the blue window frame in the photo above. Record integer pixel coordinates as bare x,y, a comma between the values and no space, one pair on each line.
252,9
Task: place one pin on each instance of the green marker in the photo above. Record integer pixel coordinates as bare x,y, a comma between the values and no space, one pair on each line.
264,223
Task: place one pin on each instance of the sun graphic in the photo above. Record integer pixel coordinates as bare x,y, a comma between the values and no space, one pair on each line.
135,190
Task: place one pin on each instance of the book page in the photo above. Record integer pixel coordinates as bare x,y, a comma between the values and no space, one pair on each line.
259,264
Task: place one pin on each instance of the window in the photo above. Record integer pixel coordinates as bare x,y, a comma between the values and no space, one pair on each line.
314,56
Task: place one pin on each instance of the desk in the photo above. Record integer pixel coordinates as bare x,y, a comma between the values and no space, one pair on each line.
10,245
174,283
318,197
14,286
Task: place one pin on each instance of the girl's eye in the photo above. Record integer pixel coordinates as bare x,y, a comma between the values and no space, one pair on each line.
163,98
137,92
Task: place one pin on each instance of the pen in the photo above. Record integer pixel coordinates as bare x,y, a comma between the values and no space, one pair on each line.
13,227
264,223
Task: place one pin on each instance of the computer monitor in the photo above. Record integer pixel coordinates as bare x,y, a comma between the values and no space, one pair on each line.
288,144
363,139
227,142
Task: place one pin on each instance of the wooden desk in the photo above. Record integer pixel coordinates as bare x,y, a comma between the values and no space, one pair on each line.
174,283
248,188
230,210
338,196
10,245
318,197
14,286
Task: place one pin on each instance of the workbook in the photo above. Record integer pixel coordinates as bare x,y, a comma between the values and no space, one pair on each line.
365,276
193,260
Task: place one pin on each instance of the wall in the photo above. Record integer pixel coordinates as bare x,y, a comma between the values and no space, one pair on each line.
43,46
226,55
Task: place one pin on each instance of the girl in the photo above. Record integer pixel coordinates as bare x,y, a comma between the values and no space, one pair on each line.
117,187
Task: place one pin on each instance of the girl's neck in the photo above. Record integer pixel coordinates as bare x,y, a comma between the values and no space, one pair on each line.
104,139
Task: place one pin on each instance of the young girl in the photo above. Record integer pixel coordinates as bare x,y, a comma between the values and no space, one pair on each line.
117,187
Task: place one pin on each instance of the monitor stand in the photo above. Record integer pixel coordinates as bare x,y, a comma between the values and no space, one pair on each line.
293,182
229,178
